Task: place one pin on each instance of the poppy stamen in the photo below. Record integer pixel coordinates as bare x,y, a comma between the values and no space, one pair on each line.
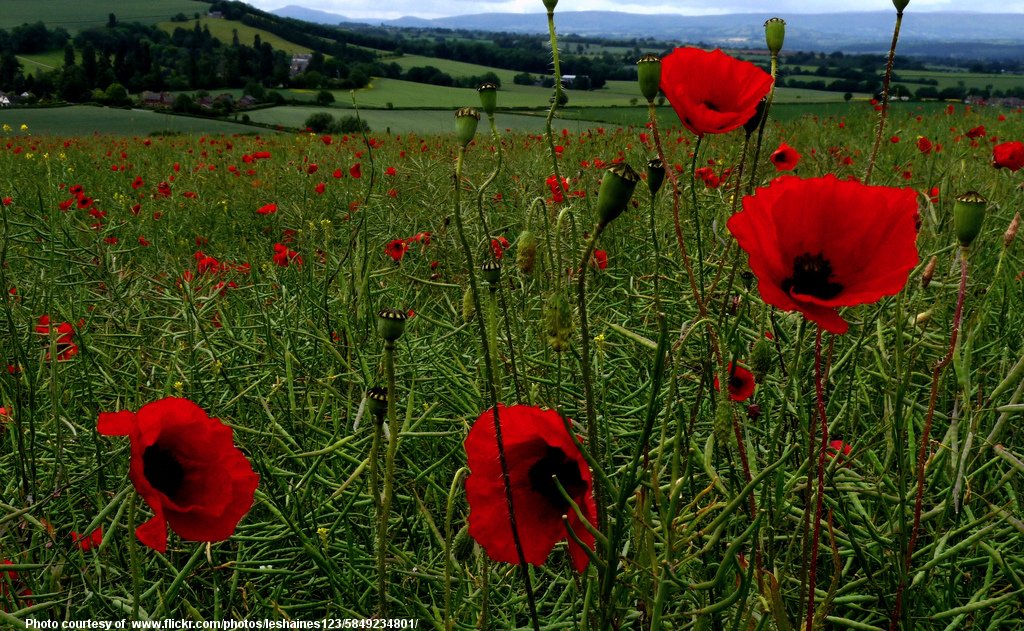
811,274
555,463
162,470
711,106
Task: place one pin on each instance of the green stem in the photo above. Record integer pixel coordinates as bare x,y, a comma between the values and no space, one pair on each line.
593,434
696,216
389,477
378,430
492,391
133,557
760,126
555,102
880,129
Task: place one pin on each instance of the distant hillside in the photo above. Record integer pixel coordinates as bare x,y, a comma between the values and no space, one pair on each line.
76,15
934,34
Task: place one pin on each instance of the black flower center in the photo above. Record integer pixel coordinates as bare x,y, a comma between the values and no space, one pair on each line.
554,462
711,106
162,470
735,382
811,274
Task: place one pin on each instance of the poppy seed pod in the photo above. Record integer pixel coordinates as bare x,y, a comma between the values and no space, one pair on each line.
466,119
526,251
377,401
617,188
968,214
491,271
900,5
488,97
391,323
775,34
550,5
648,74
655,175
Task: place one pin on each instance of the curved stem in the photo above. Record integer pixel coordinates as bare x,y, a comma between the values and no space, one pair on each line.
593,435
880,129
555,102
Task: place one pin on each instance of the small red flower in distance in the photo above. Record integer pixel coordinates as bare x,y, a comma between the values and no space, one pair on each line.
88,542
785,158
396,249
267,209
741,382
186,467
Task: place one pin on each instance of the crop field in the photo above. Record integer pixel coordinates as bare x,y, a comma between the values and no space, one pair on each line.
224,30
465,371
75,15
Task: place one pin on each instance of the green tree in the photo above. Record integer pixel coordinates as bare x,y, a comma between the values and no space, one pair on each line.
324,97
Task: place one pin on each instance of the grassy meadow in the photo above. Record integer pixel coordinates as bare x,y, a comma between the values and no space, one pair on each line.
253,373
75,16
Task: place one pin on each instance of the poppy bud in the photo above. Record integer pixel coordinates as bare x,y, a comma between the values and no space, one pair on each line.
391,323
723,422
617,187
466,119
648,74
468,305
968,213
550,5
1011,232
753,411
526,251
929,272
900,5
488,97
655,175
752,124
762,360
558,322
491,271
377,401
775,34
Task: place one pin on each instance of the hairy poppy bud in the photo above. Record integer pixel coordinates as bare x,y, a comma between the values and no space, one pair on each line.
648,74
929,272
558,322
722,426
391,323
466,119
755,121
775,34
1011,232
968,214
762,359
491,271
655,175
377,401
488,97
526,251
617,187
900,5
550,5
468,305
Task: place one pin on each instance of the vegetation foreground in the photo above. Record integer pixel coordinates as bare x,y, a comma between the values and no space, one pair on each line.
291,348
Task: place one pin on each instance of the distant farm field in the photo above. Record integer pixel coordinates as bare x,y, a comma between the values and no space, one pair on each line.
224,30
84,120
77,15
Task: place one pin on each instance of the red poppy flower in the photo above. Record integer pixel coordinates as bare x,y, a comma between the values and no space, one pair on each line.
396,249
283,257
267,209
924,145
537,447
712,93
837,449
1009,155
976,132
599,259
88,542
21,591
741,382
498,246
823,243
356,170
185,465
65,334
785,158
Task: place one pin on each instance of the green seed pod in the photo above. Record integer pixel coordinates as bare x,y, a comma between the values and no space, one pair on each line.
550,5
968,214
762,359
900,5
655,175
526,251
775,34
468,305
466,120
391,323
462,545
558,322
377,401
648,74
491,271
616,189
488,97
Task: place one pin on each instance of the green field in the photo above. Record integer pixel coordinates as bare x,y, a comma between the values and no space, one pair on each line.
396,121
223,31
951,79
76,15
84,120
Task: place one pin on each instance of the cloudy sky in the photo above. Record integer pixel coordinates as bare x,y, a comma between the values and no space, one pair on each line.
364,9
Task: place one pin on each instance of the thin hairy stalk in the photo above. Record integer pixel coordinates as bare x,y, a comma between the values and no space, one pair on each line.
884,112
922,451
389,478
588,386
696,217
760,126
819,391
492,391
555,102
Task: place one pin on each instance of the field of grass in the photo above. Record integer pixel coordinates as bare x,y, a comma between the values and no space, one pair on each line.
75,15
42,62
223,31
454,68
395,121
83,120
951,79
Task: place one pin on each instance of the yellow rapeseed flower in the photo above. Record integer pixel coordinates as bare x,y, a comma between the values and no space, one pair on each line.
24,127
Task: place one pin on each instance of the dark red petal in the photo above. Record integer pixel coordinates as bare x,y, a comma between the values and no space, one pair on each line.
116,423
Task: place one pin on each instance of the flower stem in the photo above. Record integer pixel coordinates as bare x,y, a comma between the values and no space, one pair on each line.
922,451
884,112
696,216
133,557
492,391
378,430
389,478
555,102
819,390
593,435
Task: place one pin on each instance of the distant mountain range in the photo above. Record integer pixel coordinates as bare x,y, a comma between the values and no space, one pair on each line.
954,34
